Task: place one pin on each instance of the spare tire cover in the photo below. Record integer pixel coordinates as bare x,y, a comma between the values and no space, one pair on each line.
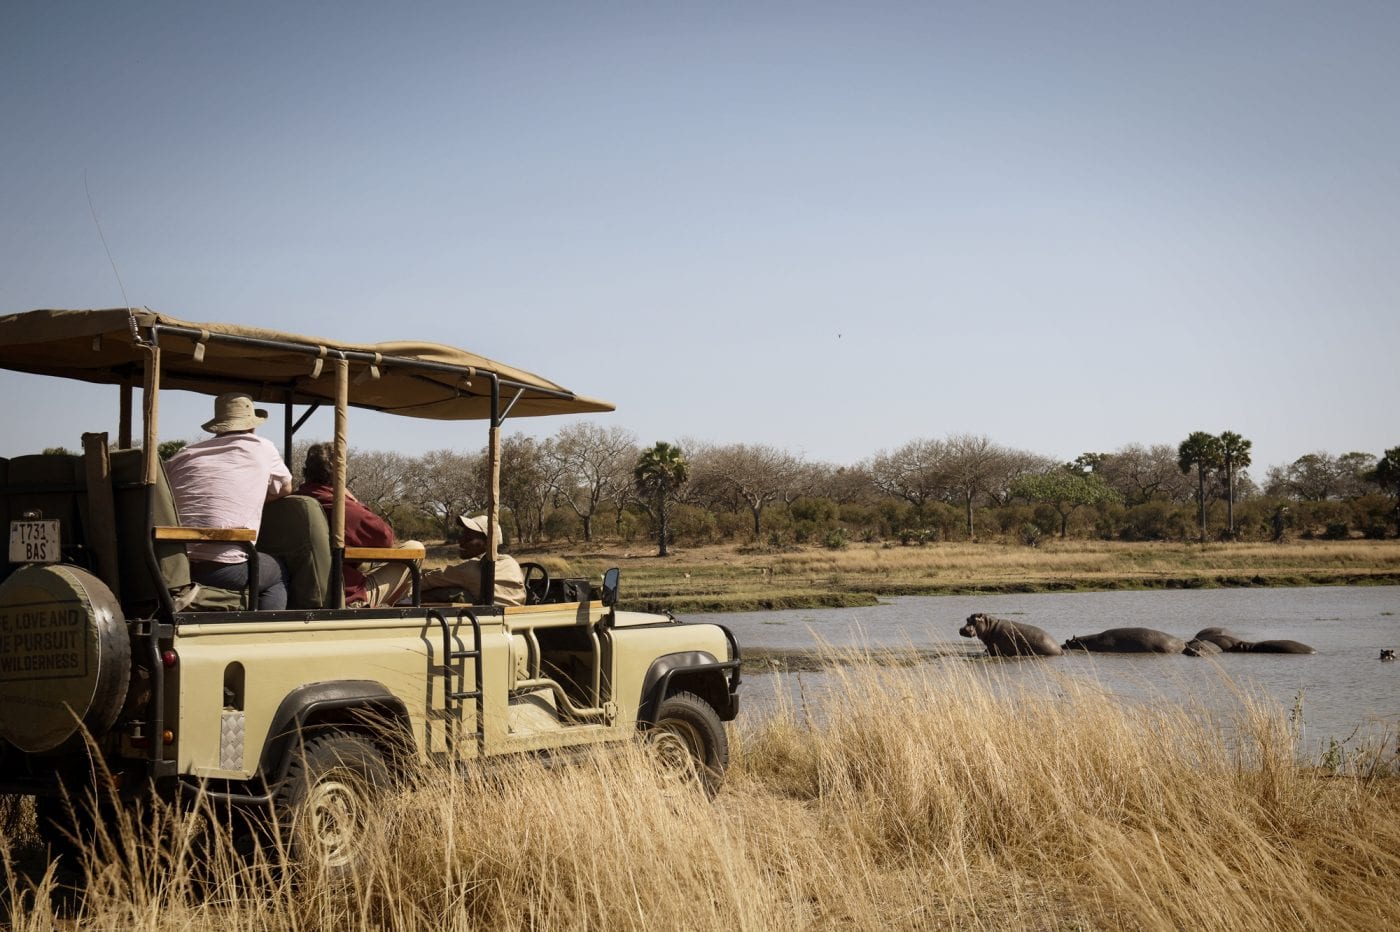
65,657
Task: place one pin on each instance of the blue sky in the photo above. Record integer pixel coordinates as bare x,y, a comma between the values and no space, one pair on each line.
829,227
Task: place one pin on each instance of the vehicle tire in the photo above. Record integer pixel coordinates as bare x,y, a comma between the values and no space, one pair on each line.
325,802
68,658
689,736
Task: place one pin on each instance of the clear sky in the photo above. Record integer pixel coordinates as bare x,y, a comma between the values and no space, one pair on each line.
829,227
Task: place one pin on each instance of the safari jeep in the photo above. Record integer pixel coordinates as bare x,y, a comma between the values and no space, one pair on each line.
118,676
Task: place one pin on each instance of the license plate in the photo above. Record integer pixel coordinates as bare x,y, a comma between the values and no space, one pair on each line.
34,541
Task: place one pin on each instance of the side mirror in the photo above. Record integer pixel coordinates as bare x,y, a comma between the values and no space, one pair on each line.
610,586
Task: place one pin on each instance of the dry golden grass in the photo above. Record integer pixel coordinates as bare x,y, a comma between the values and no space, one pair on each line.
915,798
731,577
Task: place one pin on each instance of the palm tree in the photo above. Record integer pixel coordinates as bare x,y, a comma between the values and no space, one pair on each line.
1234,454
1200,451
661,471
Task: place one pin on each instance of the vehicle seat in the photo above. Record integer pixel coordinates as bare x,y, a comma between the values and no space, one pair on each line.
132,531
294,528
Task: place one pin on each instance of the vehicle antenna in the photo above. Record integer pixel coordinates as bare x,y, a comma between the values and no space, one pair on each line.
120,287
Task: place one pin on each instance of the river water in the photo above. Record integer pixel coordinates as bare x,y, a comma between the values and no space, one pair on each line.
1345,694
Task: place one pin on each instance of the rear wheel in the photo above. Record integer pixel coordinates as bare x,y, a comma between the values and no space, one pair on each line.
326,800
689,737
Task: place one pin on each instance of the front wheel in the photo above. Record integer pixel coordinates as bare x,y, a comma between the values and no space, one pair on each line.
326,800
689,737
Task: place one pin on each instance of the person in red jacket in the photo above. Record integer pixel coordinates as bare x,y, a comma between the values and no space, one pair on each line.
383,583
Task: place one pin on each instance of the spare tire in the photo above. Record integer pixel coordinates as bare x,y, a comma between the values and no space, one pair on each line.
65,657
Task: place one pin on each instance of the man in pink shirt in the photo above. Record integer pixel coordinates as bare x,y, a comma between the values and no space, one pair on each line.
223,482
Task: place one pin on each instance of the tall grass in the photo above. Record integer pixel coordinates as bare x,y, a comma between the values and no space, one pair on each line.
908,798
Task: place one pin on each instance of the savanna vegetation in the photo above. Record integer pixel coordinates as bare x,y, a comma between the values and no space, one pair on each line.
933,796
750,525
589,483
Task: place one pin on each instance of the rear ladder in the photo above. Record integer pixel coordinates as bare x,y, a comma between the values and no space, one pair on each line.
453,672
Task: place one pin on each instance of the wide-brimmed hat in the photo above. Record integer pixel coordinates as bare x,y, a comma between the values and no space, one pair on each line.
234,411
478,524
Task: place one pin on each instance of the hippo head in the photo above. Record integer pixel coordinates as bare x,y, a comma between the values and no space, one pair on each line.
1071,644
1387,653
975,623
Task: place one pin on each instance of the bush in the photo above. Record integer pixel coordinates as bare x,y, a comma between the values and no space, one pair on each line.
835,539
819,511
693,525
1337,530
1155,521
561,523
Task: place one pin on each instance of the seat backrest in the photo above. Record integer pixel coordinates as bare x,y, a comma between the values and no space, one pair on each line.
294,528
134,531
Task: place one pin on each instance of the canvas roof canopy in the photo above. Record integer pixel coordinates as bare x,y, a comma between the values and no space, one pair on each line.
415,379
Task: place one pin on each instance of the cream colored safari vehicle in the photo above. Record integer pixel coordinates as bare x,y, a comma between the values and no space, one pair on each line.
107,650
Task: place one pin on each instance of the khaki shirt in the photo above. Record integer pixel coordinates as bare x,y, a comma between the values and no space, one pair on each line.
510,581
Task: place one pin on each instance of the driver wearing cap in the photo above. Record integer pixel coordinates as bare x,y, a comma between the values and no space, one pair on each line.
465,577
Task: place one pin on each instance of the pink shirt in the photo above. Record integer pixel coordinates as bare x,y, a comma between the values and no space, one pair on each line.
224,482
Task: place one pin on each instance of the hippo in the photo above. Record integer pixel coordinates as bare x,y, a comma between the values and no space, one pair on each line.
1272,647
1387,654
1010,638
1220,637
1128,641
1199,648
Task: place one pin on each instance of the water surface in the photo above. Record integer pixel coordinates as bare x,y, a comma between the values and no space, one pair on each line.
1343,691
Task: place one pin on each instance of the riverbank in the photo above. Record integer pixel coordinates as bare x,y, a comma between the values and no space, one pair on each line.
746,578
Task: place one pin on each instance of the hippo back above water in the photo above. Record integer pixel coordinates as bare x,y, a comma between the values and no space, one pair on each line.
1272,647
1128,641
1010,638
1220,637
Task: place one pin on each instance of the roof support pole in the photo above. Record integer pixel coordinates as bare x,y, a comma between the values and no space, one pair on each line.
150,414
124,418
342,403
288,428
493,496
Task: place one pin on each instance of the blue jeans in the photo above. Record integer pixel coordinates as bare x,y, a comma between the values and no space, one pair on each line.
272,583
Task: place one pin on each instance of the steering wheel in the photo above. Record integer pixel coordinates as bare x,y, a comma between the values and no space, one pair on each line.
536,583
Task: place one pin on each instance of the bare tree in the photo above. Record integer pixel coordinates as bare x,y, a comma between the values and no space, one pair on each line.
445,484
378,478
842,484
1011,467
587,461
972,465
753,475
914,472
1141,474
1319,476
525,484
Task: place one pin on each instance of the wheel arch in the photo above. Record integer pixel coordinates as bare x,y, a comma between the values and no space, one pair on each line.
362,706
694,671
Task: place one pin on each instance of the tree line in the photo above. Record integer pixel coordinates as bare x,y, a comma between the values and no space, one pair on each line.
589,481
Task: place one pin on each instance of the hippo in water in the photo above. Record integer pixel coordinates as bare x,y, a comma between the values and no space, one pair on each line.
1010,638
1220,637
1128,641
1387,654
1272,647
1199,648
